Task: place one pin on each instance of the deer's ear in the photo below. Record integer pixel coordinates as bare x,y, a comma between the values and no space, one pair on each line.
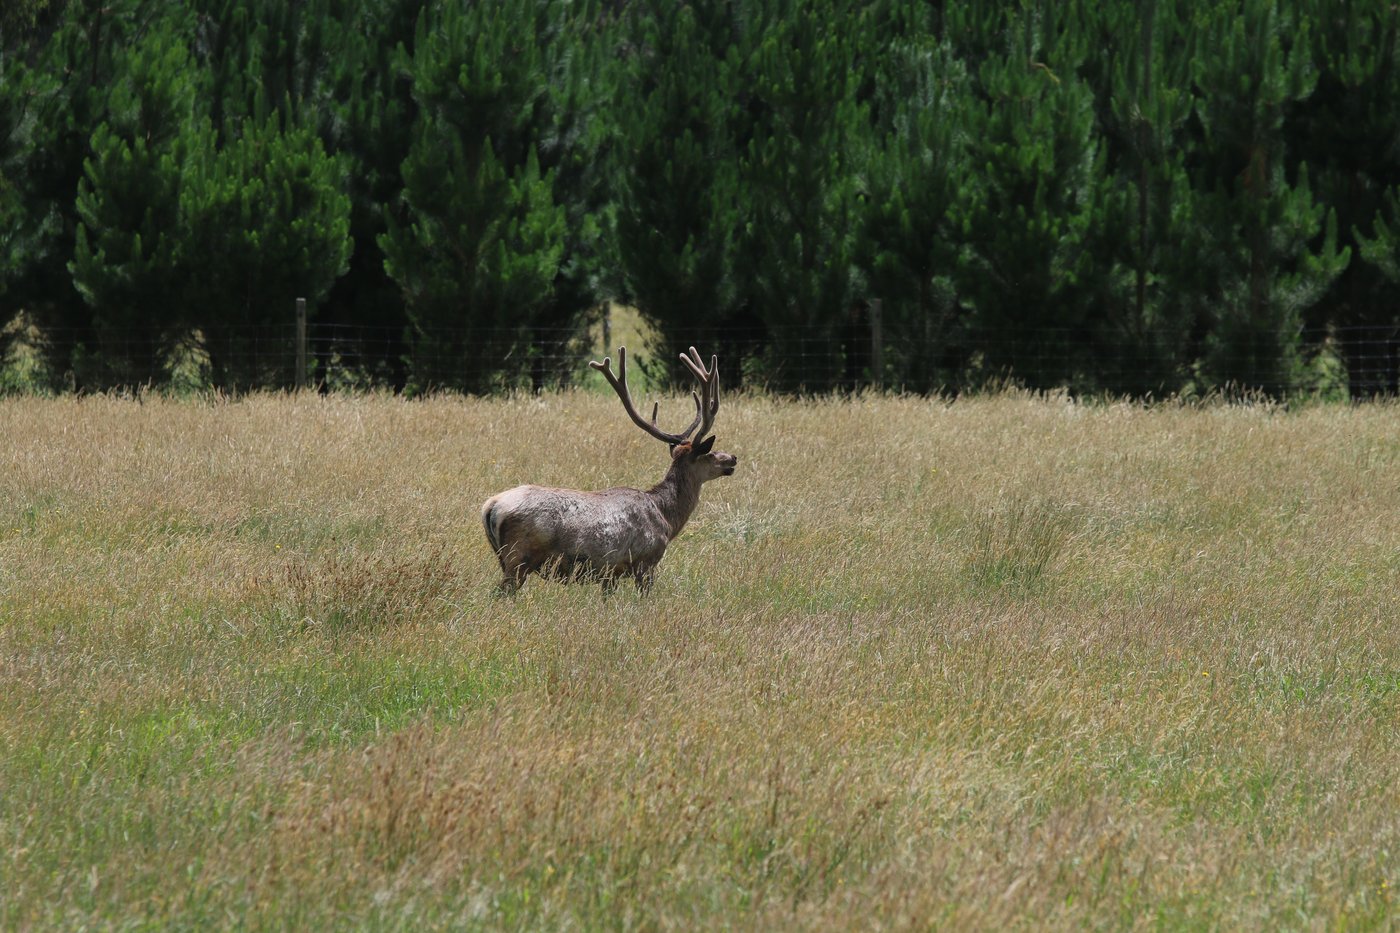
704,446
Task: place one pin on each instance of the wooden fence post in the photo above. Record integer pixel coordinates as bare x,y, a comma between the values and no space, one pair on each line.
301,344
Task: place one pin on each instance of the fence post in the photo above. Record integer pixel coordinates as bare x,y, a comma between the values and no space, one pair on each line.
301,344
877,345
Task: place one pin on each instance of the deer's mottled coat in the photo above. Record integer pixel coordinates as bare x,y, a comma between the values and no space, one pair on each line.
618,532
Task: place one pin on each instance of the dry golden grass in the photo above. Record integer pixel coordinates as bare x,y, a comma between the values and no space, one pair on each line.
1009,661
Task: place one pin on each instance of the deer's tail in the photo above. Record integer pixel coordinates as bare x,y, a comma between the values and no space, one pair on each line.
492,518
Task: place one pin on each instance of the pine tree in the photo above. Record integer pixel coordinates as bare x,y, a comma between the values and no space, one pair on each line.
1259,227
914,177
264,219
1346,131
1143,240
1382,248
482,239
801,69
256,53
76,71
676,183
372,128
579,44
23,363
18,16
16,127
1029,213
124,259
1380,372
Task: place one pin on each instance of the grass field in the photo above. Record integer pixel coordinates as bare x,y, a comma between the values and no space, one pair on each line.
1007,661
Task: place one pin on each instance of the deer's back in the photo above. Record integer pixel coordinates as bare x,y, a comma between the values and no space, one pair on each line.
612,527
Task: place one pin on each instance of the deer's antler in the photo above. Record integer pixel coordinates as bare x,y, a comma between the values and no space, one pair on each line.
619,384
709,385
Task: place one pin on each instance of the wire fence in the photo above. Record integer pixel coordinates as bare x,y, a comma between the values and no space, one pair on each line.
1359,361
1372,357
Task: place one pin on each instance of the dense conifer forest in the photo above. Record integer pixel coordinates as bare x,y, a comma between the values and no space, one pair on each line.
1124,196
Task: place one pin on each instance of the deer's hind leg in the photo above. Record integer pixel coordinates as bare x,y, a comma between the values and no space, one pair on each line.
511,583
515,567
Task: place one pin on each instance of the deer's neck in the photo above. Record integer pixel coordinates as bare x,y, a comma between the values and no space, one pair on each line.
677,495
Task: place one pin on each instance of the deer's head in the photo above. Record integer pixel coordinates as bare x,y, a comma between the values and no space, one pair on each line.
703,461
699,459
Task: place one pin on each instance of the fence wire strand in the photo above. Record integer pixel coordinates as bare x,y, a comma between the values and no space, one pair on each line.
1362,360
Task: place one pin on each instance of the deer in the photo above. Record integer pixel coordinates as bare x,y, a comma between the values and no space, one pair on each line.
611,534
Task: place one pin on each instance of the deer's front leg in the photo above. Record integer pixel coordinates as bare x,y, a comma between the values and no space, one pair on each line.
644,577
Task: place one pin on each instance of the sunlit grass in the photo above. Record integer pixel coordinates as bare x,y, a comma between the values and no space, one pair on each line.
1001,661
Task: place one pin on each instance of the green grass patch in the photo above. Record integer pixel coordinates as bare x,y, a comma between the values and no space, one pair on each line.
1003,662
